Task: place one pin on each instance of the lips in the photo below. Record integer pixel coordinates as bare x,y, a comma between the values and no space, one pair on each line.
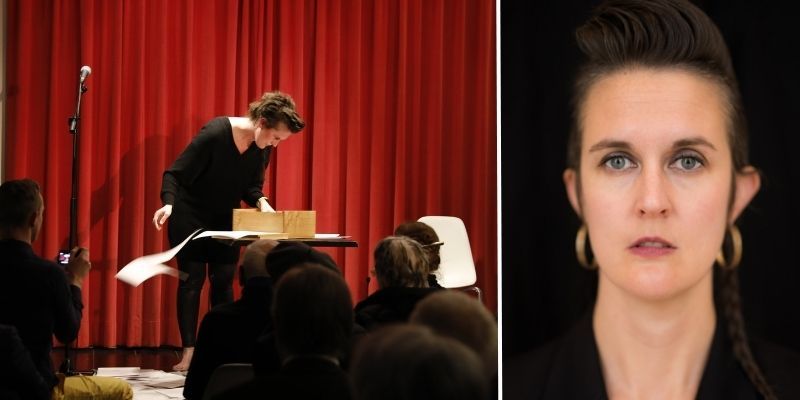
654,242
652,247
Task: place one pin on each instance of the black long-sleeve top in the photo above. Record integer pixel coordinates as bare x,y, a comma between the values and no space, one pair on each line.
37,299
209,179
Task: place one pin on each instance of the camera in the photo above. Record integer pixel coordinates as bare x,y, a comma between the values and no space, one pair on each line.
63,257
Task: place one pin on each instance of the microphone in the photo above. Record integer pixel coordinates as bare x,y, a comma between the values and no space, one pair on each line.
85,72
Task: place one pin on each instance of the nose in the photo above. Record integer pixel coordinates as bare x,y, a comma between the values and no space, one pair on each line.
653,197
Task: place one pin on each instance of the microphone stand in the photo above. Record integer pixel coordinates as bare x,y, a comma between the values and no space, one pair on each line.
66,365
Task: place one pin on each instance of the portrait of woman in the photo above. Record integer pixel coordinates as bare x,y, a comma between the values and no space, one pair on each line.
658,174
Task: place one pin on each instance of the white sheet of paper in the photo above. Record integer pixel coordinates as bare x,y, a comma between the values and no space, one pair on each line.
122,371
326,236
176,393
167,382
140,273
150,394
230,234
146,267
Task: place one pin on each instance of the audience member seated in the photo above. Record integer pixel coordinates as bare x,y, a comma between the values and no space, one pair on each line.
313,317
401,267
282,258
41,299
19,378
229,331
456,315
427,237
410,362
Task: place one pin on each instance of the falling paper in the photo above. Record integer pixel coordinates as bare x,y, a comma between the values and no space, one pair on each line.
140,273
146,267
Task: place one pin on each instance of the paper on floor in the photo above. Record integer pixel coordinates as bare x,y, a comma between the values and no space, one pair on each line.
118,372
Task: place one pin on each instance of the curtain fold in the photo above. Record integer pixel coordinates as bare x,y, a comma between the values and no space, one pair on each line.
399,99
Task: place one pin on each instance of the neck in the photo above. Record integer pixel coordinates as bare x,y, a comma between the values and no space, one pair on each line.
654,347
23,235
243,129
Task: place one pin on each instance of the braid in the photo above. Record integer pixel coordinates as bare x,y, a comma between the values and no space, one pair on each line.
731,306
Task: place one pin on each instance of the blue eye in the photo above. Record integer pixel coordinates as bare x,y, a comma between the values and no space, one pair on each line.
618,162
688,162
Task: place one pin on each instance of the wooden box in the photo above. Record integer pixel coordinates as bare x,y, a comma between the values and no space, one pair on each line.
296,224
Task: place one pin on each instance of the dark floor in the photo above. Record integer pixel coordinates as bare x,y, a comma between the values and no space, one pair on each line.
145,358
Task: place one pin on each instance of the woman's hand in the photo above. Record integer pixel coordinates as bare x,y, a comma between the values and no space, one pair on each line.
264,206
161,216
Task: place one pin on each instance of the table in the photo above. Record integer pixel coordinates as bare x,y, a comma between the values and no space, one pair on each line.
313,242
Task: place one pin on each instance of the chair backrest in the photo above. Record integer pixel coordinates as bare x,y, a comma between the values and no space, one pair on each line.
227,376
457,269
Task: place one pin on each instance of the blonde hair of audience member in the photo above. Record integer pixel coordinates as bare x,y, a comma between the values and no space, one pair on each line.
658,174
454,314
410,362
401,262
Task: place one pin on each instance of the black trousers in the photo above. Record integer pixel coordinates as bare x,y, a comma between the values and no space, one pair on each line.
221,278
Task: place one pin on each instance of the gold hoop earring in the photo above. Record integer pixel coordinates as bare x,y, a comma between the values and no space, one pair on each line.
736,244
580,249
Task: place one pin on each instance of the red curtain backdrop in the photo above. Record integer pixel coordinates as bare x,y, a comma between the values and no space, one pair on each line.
399,97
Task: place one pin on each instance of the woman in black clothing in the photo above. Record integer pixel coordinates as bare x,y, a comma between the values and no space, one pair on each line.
658,173
223,165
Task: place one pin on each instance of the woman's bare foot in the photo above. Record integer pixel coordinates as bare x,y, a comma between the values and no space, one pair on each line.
185,360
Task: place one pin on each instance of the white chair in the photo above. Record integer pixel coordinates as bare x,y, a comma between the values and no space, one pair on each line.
227,376
457,268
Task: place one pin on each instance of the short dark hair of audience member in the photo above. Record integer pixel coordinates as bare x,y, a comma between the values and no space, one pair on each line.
288,254
426,236
19,201
401,262
276,107
455,314
312,312
410,362
254,260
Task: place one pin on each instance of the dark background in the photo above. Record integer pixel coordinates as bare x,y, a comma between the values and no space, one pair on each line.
544,290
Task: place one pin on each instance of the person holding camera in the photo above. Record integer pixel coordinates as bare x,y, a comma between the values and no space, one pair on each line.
40,298
223,165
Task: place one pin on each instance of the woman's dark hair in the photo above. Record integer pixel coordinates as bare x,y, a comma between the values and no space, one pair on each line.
624,35
276,107
401,262
426,236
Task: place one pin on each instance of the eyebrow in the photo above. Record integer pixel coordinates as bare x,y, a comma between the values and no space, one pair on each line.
621,144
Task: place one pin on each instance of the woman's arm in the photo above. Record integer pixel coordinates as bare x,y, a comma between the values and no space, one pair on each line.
253,195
